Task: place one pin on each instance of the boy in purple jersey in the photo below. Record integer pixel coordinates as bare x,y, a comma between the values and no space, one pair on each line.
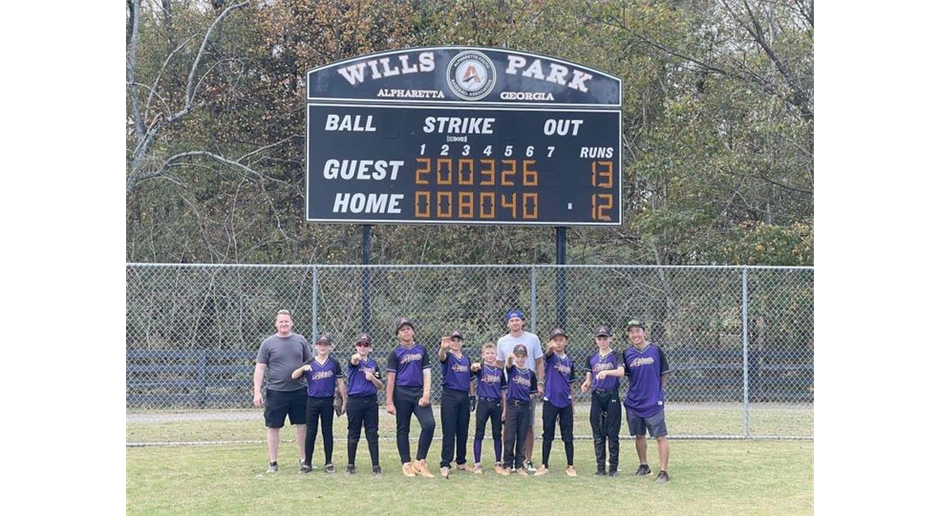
490,388
409,392
521,387
363,407
647,370
559,382
455,401
504,347
604,371
323,375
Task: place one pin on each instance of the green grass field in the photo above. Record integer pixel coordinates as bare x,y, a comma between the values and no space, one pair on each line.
682,420
708,476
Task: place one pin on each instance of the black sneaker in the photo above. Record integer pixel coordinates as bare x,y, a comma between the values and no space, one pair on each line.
663,477
613,473
350,469
330,469
600,473
377,470
272,467
305,468
644,469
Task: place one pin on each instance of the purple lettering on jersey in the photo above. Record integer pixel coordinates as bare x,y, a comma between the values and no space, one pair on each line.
609,362
358,384
559,373
520,384
321,379
490,381
408,364
455,372
645,396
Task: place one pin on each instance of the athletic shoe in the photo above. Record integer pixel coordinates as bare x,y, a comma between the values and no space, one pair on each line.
272,467
421,467
350,469
529,466
663,477
330,469
501,470
478,469
600,473
613,473
541,471
462,467
521,471
377,470
304,467
408,470
644,469
571,472
445,472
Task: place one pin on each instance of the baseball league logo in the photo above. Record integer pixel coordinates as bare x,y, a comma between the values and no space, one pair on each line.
471,75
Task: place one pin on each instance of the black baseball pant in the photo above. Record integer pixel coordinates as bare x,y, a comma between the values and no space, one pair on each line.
405,400
489,409
565,418
605,425
363,411
319,409
517,426
455,418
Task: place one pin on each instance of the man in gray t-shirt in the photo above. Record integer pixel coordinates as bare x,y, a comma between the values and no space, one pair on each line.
279,355
534,362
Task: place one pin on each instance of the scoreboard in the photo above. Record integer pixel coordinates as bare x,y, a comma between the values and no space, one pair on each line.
467,136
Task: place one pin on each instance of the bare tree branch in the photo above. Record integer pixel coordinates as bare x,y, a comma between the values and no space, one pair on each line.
798,98
213,67
781,185
134,20
753,27
275,144
146,141
806,10
221,159
703,65
152,94
202,49
156,81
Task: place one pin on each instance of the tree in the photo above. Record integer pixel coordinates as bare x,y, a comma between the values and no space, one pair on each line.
717,134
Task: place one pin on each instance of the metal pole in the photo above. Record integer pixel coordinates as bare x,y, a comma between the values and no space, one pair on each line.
744,317
560,244
532,303
313,305
366,273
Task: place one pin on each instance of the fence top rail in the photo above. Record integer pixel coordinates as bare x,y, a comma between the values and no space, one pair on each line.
457,266
191,353
218,265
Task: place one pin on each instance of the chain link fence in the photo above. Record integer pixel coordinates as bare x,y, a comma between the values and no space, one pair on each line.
739,340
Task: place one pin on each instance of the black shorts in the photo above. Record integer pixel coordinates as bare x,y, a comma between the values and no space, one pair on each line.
278,404
656,425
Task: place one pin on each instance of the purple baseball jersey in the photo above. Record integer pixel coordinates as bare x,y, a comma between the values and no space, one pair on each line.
455,372
559,373
408,364
520,383
490,381
609,362
644,368
321,379
358,384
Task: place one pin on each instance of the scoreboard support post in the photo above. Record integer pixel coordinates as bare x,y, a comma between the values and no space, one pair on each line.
366,275
561,241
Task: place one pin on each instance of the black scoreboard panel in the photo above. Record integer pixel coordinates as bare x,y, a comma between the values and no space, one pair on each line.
395,164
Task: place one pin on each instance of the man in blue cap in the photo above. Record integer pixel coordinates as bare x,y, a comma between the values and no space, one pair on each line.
534,362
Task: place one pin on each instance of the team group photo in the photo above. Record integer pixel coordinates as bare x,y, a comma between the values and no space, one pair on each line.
486,256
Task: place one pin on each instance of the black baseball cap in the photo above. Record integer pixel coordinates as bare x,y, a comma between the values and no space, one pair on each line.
556,332
520,349
364,337
602,331
401,321
324,338
637,323
456,335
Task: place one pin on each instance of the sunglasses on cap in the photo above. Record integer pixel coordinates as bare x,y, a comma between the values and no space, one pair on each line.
363,345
